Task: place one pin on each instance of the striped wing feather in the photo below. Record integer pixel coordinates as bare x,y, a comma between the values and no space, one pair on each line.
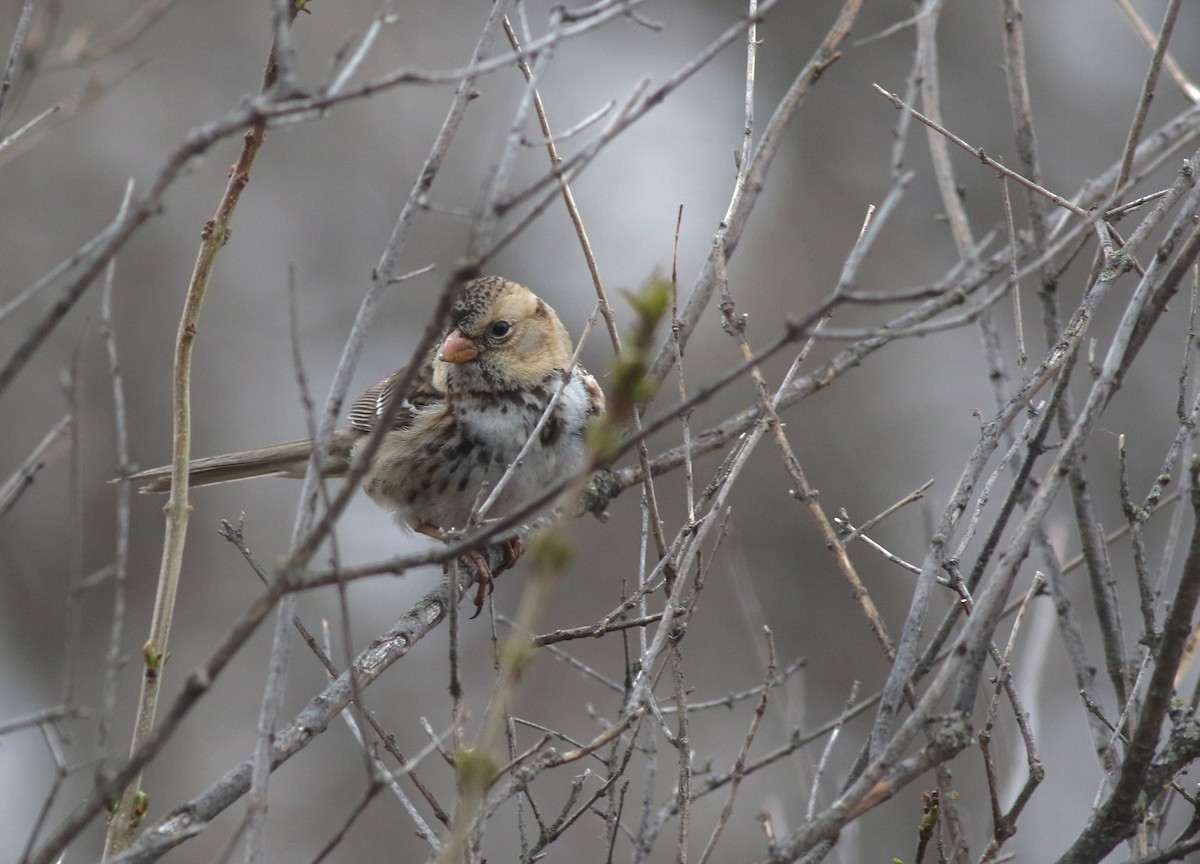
369,407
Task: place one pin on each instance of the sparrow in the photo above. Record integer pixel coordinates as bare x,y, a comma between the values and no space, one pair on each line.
469,409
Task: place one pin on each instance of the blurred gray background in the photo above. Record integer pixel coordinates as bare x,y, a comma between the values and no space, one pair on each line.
322,199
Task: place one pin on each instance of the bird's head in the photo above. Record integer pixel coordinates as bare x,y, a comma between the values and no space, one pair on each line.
502,338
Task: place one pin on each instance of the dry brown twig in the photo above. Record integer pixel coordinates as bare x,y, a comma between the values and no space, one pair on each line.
156,650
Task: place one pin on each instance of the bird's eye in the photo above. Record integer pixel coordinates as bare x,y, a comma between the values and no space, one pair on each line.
500,329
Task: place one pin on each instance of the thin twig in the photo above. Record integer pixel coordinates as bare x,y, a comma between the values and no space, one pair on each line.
14,51
828,749
746,195
178,508
112,661
1190,90
980,154
48,449
1148,86
739,764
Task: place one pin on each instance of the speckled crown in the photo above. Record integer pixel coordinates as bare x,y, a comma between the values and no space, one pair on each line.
476,299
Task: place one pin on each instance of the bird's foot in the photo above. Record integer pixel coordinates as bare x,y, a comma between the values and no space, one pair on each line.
485,579
485,576
512,551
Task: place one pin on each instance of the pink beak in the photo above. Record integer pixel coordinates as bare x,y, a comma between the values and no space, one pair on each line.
457,348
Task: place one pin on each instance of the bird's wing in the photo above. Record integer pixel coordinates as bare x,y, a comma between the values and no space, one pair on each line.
368,409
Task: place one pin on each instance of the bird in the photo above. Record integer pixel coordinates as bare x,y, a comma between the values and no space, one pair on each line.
469,409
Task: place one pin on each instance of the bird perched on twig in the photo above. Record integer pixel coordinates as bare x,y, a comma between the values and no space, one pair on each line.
469,410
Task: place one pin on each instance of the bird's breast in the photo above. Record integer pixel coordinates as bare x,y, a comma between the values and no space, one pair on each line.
432,471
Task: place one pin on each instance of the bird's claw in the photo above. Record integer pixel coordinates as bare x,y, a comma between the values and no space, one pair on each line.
485,577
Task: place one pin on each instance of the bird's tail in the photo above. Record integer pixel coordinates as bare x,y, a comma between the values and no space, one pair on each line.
279,460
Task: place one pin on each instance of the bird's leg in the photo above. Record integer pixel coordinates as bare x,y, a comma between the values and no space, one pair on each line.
486,579
431,530
512,551
484,576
